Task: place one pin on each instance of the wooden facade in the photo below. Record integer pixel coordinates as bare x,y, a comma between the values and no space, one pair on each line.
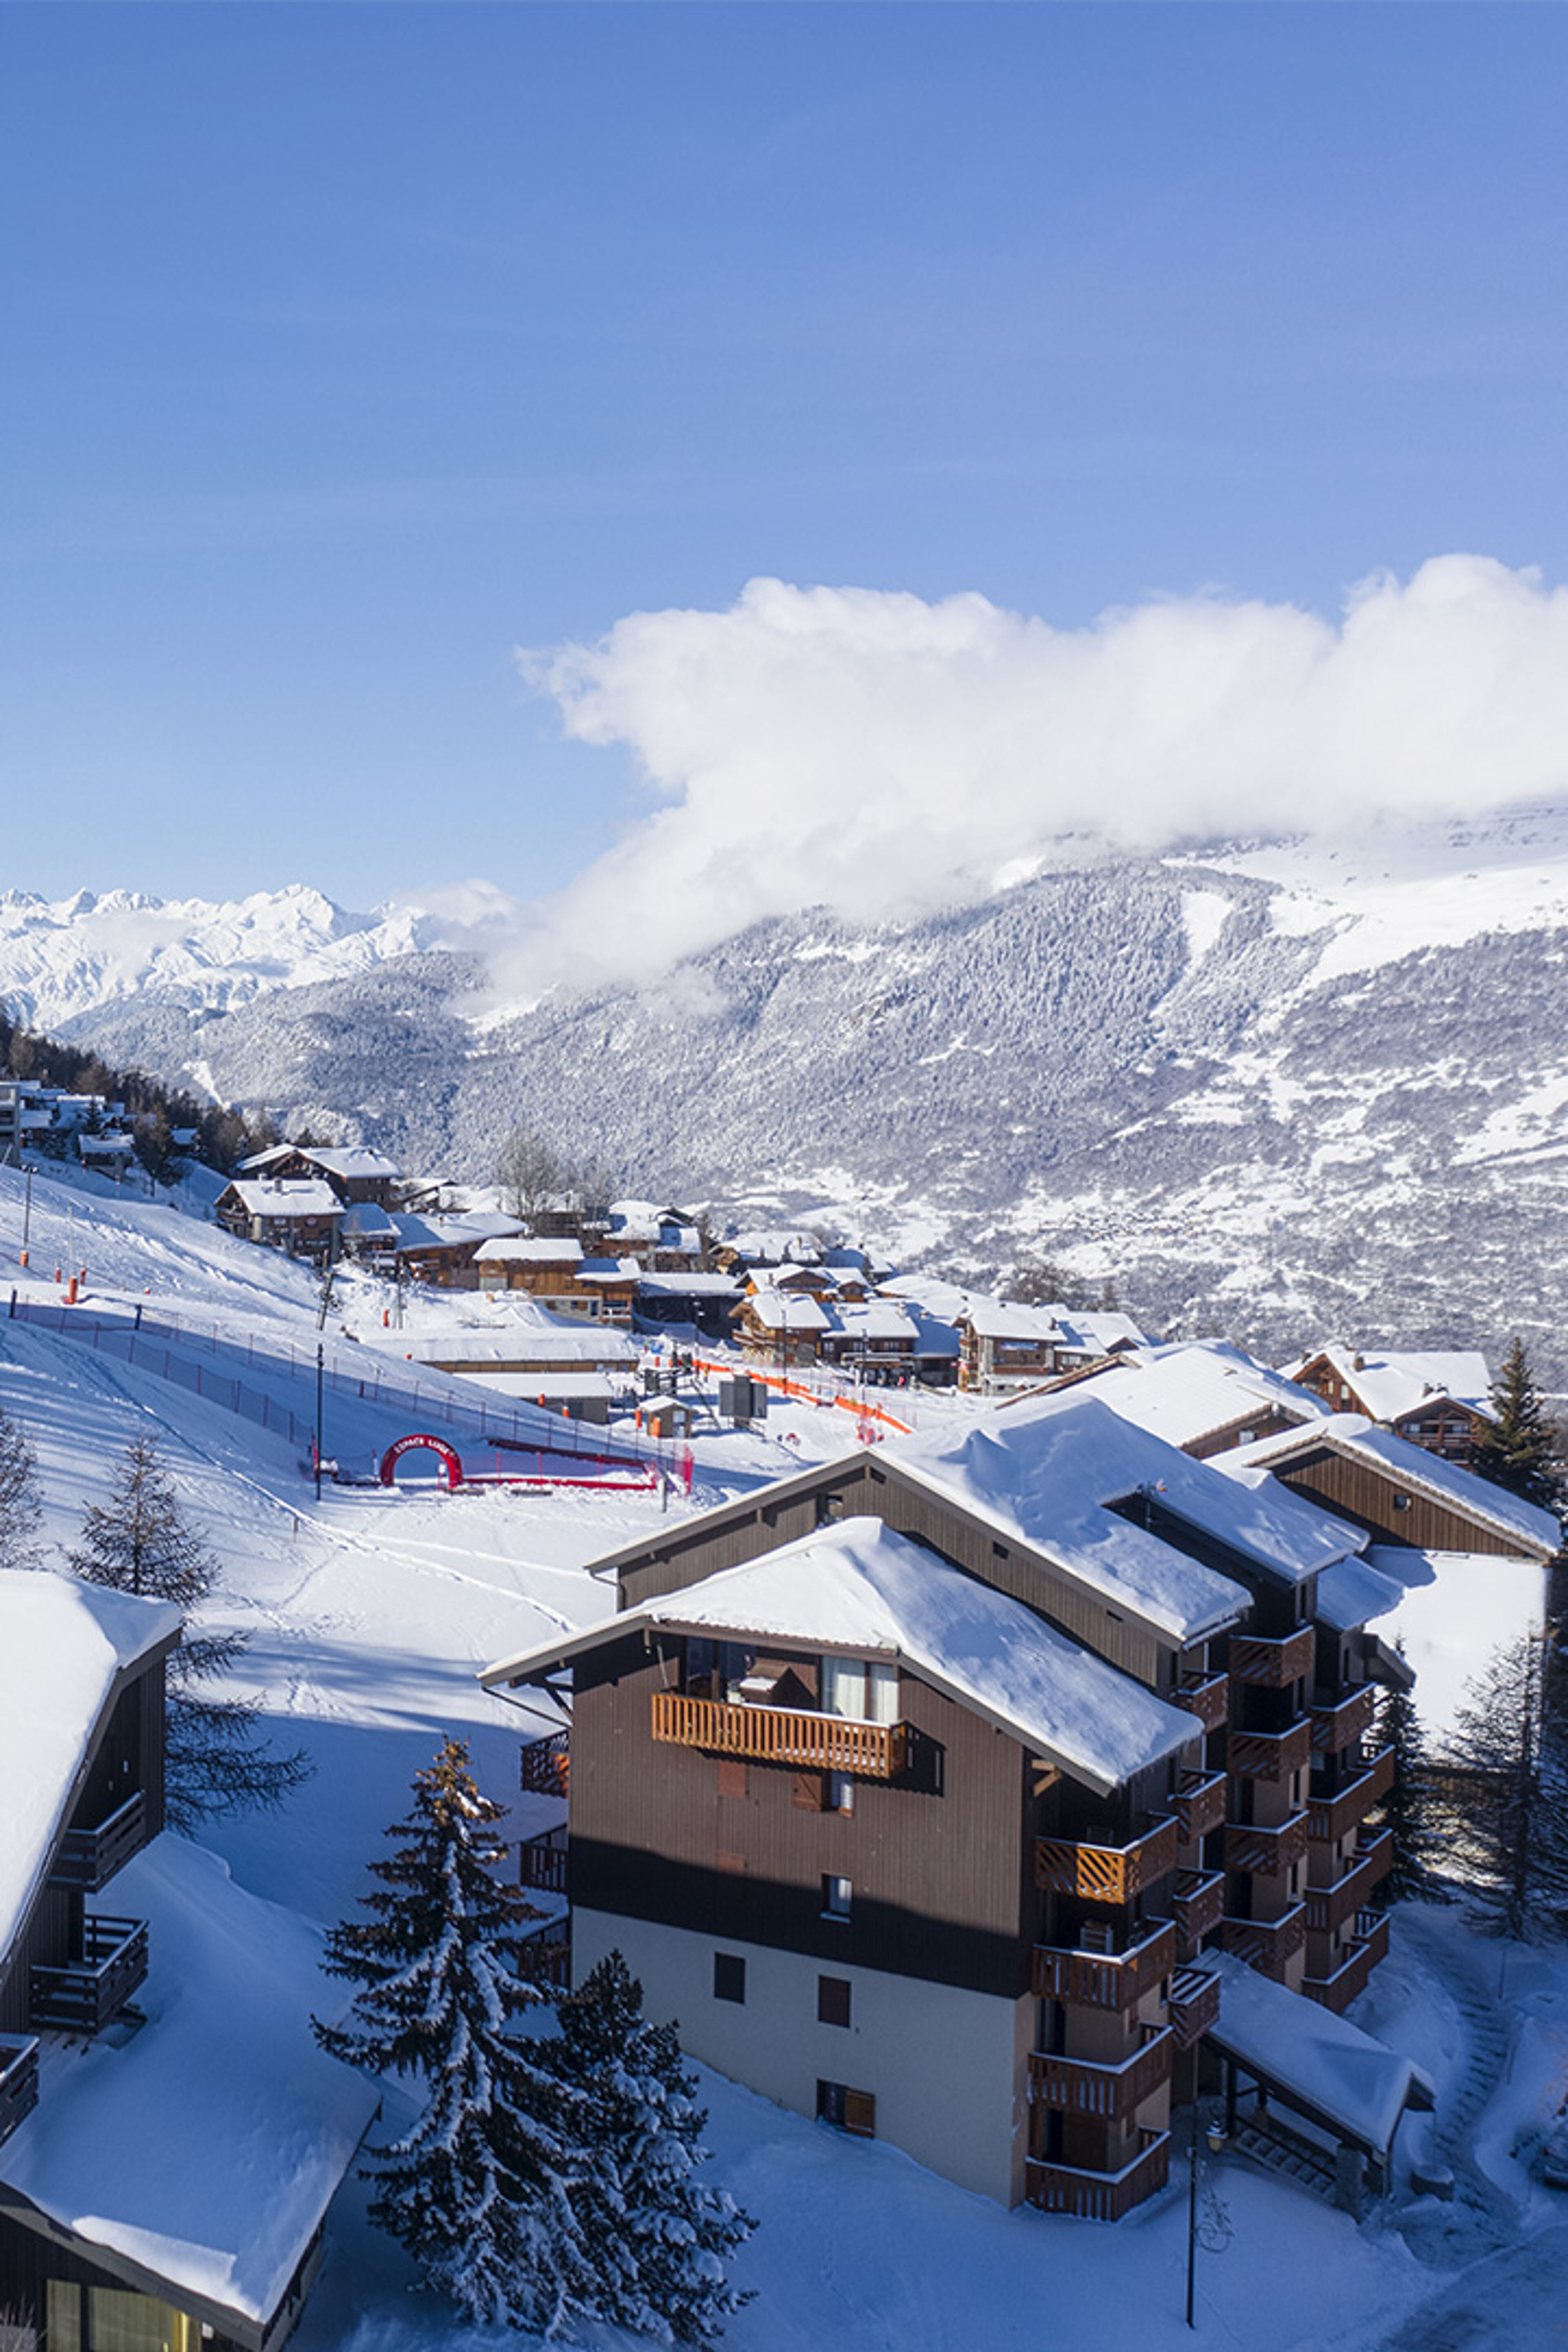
1373,1496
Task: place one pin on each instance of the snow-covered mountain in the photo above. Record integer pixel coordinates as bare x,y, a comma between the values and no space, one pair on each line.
1284,1090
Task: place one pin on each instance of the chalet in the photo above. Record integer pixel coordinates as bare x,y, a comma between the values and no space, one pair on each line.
354,1173
920,1784
1438,1399
702,1303
742,1251
300,1215
1004,1346
441,1250
661,1240
530,1360
133,2138
1206,1396
556,1274
782,1327
106,1151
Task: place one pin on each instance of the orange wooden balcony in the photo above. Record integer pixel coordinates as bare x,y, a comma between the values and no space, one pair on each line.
1248,1847
1205,1695
1267,1945
1328,1907
1270,1756
1331,1818
545,1766
1336,1727
1100,2196
1198,1804
1106,1873
1350,1979
1116,1980
1198,1905
1112,2094
781,1735
1194,2005
1272,1661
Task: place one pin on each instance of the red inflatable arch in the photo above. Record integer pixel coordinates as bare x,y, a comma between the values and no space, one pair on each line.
437,1445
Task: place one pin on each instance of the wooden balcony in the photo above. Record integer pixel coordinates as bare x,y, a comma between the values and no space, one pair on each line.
1205,1695
1339,1726
1371,1929
86,1994
1328,1907
1116,1980
1198,1805
1330,1819
545,1766
1106,1873
1199,1906
1267,1945
18,2083
88,1859
541,1866
1350,1980
1272,1661
782,1735
1111,2093
1272,1851
1100,2196
1270,1756
1194,2005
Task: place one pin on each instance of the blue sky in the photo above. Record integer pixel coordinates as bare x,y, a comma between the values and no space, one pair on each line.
348,348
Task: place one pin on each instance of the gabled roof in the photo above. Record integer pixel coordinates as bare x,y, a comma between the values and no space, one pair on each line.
287,1196
348,1161
1538,1533
566,1251
785,1310
1324,2066
1184,1391
1390,1385
63,1648
1048,1471
859,1589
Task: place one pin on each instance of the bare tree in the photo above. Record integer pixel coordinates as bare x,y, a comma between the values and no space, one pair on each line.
530,1172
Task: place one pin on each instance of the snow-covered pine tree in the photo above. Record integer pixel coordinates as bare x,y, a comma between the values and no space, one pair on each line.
19,1505
1520,1450
139,1542
658,2237
481,2190
1406,1809
1510,1743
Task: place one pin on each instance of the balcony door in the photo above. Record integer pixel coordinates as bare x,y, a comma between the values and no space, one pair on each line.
862,1690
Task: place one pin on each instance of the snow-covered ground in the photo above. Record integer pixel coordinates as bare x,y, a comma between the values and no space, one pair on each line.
369,1614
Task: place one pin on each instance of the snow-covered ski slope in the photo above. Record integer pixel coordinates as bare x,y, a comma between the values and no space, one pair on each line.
368,1616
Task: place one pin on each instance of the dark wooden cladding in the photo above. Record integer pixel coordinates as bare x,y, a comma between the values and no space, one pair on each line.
1355,1491
947,1900
859,1487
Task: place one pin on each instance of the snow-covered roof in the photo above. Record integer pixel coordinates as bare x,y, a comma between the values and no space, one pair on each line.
348,1161
107,1143
609,1269
788,1310
860,1589
1352,1593
424,1232
62,1643
208,2147
880,1318
1096,1331
362,1221
1047,1470
1007,1318
1338,2075
529,1252
547,1341
1184,1391
691,1286
780,1246
1538,1532
287,1196
1391,1384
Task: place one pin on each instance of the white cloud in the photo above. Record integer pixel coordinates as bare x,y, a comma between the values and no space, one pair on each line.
878,754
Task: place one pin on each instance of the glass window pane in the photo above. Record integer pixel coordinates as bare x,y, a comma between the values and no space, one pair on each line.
63,2316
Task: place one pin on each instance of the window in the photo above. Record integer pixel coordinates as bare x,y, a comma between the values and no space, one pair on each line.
840,1793
833,2001
861,1690
836,1896
850,2111
729,1977
1402,1502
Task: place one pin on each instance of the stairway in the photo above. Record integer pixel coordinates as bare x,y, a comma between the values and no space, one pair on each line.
1279,2150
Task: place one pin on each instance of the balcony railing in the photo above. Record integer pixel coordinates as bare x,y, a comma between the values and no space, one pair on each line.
1116,1980
1199,1906
1371,1946
83,1996
18,2083
1249,1847
545,1766
1198,1805
1270,1755
541,1866
1338,1725
781,1735
1328,1907
1106,1873
1330,1819
1267,1945
1272,1661
88,1859
1205,1695
1112,2094
1194,2005
1100,2196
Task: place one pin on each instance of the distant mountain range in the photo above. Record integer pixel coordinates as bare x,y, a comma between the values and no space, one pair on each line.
1292,1092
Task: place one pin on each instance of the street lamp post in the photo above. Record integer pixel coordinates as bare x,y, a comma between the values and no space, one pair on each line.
321,1382
29,1172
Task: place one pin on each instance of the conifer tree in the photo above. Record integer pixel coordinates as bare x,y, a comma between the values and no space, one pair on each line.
657,2237
1511,1745
139,1542
19,1505
1521,1449
481,2189
1406,1809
